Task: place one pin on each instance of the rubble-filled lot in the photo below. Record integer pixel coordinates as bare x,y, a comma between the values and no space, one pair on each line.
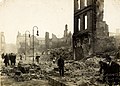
31,75
77,73
25,72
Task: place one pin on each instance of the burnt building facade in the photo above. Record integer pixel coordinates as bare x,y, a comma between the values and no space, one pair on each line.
84,27
65,41
89,27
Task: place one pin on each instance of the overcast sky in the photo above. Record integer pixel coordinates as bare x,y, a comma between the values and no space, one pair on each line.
48,15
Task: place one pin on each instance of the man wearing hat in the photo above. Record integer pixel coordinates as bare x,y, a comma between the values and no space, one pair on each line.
61,66
113,71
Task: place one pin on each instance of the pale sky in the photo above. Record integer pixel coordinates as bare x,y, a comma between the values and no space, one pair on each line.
48,15
112,14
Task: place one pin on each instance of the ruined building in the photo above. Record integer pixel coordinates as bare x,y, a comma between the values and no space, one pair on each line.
55,42
117,37
20,42
2,43
47,40
66,31
23,40
89,27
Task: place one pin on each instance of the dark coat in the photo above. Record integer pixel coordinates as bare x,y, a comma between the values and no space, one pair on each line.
103,66
114,68
60,63
113,74
13,58
6,59
2,55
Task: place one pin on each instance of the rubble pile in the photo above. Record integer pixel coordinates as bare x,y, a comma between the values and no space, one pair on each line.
24,72
76,72
93,62
66,53
79,72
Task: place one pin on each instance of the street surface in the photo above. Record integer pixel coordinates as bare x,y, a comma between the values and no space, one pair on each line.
77,73
7,81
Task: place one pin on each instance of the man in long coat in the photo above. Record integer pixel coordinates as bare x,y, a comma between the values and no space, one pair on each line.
61,66
6,60
13,59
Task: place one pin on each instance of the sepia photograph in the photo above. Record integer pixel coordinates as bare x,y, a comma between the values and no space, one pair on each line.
59,42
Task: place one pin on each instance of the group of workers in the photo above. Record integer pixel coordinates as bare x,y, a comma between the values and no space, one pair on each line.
11,57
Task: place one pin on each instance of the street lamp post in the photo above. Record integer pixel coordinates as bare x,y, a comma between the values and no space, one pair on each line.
25,41
33,39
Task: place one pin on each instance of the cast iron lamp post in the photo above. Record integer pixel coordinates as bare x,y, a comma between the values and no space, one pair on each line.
33,39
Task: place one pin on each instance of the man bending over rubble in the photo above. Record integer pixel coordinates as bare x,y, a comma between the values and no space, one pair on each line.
110,71
103,69
61,66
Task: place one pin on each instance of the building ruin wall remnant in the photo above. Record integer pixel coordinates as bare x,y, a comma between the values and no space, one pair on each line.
88,26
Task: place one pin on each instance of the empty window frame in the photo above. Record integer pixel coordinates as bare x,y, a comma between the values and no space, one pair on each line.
78,1
86,22
79,24
85,3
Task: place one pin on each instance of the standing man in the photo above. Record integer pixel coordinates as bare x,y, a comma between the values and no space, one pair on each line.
2,55
20,57
61,66
13,58
6,60
37,58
